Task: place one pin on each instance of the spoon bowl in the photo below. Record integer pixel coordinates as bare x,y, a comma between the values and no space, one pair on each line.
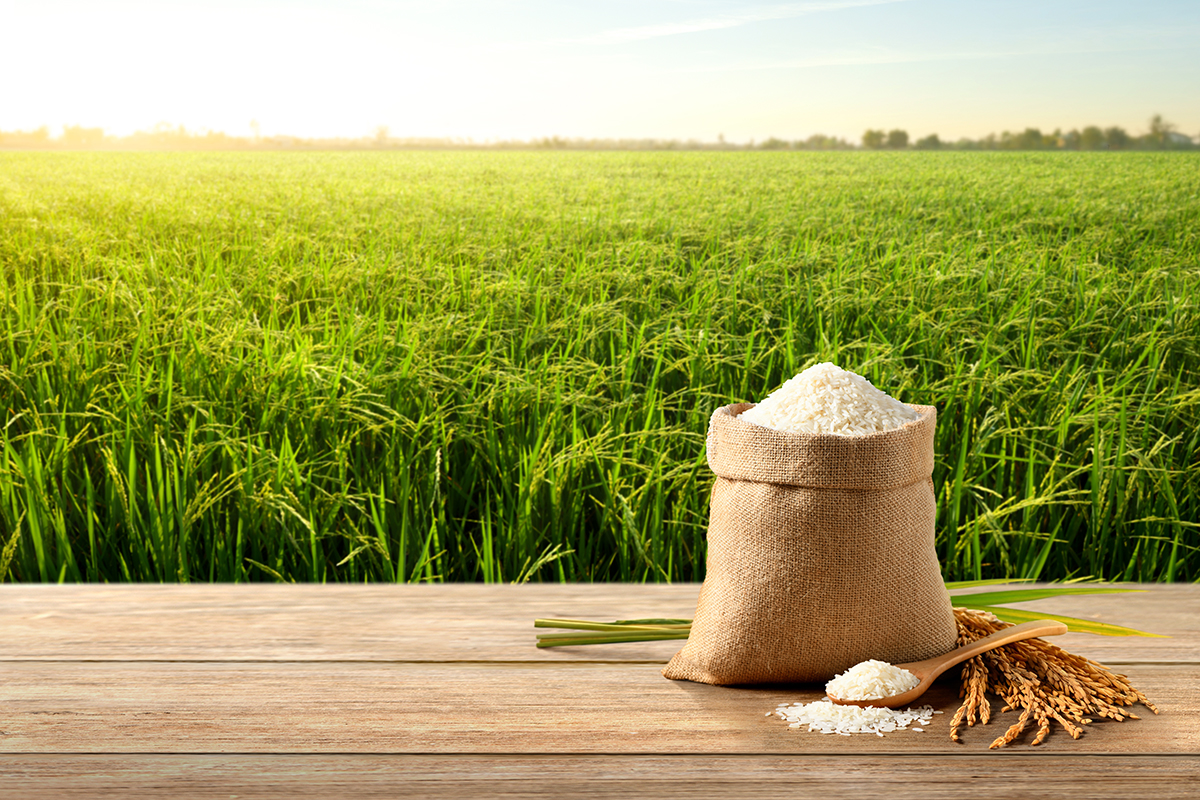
929,669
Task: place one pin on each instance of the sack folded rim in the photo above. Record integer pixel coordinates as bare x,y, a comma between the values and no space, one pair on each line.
740,450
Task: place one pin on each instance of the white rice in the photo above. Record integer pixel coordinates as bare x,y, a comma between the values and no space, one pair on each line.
871,680
827,717
828,399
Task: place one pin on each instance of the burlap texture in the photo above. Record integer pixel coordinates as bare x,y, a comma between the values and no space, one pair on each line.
820,555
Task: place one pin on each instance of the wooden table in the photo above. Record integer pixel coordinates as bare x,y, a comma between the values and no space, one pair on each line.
393,691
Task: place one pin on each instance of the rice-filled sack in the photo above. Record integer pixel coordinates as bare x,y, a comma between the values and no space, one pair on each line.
820,537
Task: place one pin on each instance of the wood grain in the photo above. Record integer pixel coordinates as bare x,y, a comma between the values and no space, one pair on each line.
289,707
901,777
455,622
271,691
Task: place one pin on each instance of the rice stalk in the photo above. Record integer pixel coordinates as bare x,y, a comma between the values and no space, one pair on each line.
195,346
1044,682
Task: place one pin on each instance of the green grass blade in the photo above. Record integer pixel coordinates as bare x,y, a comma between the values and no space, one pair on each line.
1017,615
952,585
586,625
1025,595
571,640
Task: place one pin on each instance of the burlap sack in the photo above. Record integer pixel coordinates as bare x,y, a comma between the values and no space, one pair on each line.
820,555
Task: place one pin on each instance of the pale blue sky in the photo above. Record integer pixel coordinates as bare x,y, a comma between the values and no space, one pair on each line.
652,68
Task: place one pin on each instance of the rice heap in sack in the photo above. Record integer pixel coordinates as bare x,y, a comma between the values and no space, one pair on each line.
820,537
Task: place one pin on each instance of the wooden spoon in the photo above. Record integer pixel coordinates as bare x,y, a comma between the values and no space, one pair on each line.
930,668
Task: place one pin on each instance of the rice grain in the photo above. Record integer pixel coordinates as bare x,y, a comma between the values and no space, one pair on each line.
828,399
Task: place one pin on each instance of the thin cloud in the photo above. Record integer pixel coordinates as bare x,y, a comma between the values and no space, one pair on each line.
876,56
852,59
643,32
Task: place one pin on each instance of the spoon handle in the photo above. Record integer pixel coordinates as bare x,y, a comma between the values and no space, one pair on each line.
1026,630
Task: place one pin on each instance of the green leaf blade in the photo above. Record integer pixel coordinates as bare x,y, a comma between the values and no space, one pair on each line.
575,640
1074,624
616,627
1026,595
952,585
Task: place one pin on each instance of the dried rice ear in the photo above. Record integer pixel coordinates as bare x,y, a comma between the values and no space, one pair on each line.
820,554
1043,680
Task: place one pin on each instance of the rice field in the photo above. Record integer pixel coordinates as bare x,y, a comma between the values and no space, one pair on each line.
500,366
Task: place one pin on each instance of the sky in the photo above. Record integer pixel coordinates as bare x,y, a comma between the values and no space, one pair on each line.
667,69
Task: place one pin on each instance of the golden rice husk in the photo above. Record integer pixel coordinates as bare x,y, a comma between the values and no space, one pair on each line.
1046,683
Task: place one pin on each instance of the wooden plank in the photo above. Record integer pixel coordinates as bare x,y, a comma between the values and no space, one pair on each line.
269,622
902,777
454,622
288,707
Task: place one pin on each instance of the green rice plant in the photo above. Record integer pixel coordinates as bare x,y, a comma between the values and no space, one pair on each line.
500,366
585,632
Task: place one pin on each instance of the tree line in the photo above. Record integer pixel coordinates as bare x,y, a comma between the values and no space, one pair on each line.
1161,135
170,137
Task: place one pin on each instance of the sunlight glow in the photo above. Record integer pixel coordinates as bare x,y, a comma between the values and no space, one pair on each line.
531,68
